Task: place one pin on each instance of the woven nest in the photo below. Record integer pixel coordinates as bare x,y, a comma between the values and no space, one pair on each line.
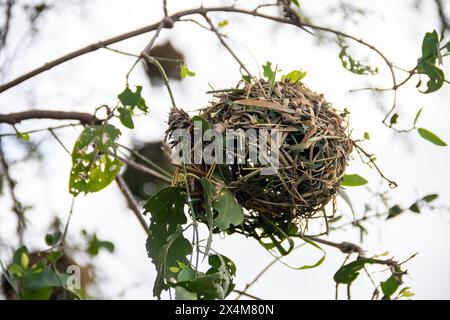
315,147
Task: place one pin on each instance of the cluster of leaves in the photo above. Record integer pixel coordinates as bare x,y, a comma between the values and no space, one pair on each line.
381,208
169,249
40,275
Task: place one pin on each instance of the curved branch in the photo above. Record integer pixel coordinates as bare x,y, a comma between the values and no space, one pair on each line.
14,118
169,21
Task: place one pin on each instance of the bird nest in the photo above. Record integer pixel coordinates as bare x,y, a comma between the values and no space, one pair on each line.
314,146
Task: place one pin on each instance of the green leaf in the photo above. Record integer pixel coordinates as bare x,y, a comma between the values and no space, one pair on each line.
429,198
93,168
217,283
389,287
296,2
229,212
353,180
223,23
416,118
54,256
294,76
184,72
267,71
41,294
208,193
46,278
318,262
246,78
430,136
171,253
430,47
349,272
366,135
166,245
183,294
166,206
24,261
125,117
53,239
23,136
16,270
394,119
17,257
270,75
415,207
133,99
405,292
394,211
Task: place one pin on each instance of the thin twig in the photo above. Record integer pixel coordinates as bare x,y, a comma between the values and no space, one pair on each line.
225,45
247,294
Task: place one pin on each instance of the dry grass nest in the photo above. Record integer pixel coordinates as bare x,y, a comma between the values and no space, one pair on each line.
315,146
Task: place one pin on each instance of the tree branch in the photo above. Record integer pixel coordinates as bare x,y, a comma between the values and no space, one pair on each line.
132,204
17,207
14,118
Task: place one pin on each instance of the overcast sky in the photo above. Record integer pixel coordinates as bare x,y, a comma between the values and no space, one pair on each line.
94,79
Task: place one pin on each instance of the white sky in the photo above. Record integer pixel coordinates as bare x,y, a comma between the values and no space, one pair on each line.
94,79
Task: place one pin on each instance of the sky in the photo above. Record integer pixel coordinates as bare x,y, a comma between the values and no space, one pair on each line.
85,83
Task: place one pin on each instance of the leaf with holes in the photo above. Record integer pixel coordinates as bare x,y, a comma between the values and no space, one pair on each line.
294,76
93,167
394,211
